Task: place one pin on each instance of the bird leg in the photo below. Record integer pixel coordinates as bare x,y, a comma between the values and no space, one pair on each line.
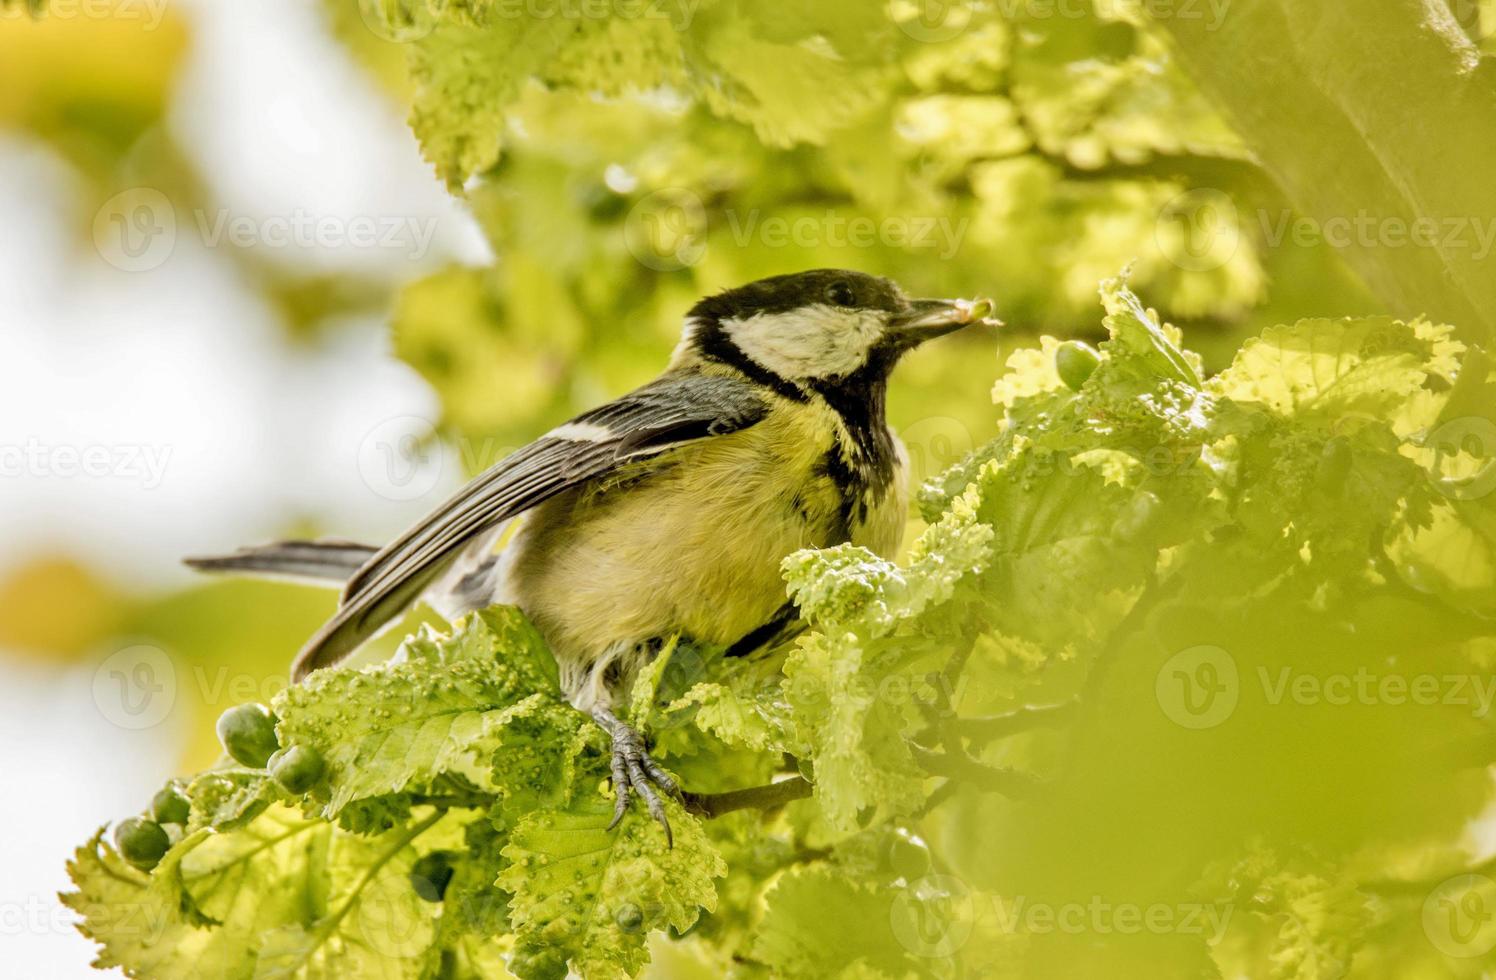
635,772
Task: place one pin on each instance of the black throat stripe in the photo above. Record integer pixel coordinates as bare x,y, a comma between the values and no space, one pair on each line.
861,465
712,342
862,468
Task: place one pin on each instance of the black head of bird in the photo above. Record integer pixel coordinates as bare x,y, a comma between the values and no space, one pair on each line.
818,328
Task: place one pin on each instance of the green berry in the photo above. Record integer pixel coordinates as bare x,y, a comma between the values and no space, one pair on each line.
431,874
1334,465
297,768
539,964
142,842
629,917
247,732
1138,517
1075,362
908,855
170,806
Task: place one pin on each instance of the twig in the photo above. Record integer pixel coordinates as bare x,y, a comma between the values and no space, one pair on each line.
1422,886
457,801
1154,593
962,768
993,727
767,797
938,796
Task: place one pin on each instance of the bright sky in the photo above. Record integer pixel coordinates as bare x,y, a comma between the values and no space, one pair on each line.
199,426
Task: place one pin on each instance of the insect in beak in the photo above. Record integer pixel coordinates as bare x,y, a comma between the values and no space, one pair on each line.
929,318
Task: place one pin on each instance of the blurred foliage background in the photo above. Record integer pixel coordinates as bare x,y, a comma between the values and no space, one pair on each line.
618,165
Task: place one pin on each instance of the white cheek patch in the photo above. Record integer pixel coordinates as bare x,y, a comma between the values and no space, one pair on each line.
812,342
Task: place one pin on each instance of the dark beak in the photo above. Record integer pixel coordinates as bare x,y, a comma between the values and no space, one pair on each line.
930,318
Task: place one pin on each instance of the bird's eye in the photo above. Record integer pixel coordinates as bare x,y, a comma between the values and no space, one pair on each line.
841,294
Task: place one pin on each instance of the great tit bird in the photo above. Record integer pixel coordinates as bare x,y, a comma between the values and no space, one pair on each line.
669,510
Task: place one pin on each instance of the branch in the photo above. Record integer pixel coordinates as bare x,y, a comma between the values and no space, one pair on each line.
1422,886
993,727
963,768
767,797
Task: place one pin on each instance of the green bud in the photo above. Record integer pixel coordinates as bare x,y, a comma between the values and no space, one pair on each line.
247,732
142,842
1075,361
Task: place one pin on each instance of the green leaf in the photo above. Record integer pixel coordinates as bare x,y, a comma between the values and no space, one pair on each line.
1139,344
798,938
228,799
1335,136
368,921
856,736
590,896
439,708
538,758
470,934
466,77
846,584
750,715
1333,368
281,896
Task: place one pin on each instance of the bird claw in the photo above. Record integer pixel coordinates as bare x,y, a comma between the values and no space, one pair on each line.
634,772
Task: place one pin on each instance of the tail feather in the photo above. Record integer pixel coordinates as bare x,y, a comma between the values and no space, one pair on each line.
323,562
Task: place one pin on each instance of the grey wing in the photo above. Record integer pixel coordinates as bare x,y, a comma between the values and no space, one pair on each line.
670,412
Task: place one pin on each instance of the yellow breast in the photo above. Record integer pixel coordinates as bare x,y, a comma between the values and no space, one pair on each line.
691,542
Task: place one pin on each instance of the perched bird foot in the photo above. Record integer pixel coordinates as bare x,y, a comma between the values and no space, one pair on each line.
635,772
